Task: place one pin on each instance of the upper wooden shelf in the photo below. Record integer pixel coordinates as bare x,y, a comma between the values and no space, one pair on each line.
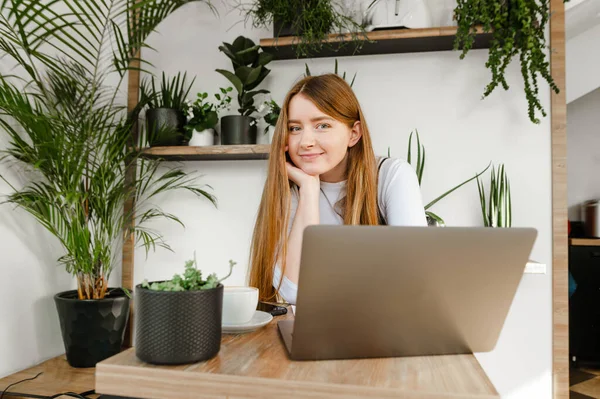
208,153
385,42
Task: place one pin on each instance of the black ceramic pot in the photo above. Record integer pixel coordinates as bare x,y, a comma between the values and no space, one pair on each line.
236,129
281,30
93,329
177,327
165,127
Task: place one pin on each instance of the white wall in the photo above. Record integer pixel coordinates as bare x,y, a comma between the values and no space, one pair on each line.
583,148
30,277
434,92
582,59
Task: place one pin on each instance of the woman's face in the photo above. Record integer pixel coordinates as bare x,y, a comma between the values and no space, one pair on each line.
317,143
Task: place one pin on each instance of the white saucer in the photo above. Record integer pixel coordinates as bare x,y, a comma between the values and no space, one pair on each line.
260,319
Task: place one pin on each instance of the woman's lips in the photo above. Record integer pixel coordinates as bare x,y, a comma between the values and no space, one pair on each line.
309,157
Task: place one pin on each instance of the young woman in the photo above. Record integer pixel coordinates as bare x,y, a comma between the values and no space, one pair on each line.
322,170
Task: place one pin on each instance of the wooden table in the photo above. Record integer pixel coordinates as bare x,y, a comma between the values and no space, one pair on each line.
256,365
57,377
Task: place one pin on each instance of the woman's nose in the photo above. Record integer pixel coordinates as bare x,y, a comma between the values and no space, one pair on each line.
308,139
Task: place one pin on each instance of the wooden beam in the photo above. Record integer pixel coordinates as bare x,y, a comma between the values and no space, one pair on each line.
127,265
560,296
208,153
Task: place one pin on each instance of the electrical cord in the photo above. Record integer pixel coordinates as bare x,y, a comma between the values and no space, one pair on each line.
4,393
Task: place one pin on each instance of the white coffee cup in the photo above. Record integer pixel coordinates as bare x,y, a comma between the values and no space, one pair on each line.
239,304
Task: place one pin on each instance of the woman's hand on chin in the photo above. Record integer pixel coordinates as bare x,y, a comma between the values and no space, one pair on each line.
302,179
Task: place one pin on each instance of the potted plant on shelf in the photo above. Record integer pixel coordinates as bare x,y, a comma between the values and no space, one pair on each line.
518,29
248,63
204,116
166,116
432,218
310,20
179,321
71,135
497,211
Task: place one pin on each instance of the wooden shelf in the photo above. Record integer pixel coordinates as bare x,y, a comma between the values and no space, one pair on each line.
584,241
384,42
208,153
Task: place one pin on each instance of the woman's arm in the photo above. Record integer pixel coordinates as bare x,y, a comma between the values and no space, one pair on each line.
307,213
403,203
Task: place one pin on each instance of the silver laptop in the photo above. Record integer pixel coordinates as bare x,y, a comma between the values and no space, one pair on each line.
381,291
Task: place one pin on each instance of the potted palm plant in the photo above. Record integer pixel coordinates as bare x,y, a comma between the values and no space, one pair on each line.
166,116
72,137
248,63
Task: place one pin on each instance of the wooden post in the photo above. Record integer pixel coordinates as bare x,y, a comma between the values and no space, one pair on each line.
560,295
133,84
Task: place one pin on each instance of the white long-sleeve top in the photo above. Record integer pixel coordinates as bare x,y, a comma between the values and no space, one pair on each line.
398,196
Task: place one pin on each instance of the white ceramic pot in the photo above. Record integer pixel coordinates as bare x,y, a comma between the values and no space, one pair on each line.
389,14
203,138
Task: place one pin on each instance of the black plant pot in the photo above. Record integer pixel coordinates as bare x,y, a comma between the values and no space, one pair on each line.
165,127
177,327
236,129
92,329
281,30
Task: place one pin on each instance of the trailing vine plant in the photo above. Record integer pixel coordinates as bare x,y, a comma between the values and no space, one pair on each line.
518,30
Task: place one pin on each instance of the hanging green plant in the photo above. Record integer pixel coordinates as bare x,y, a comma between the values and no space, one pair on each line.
310,20
518,29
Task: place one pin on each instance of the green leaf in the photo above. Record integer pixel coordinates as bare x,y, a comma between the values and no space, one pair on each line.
436,200
237,83
264,58
435,217
263,74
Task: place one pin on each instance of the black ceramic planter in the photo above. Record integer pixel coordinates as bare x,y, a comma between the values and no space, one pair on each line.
236,129
165,127
281,30
93,329
177,327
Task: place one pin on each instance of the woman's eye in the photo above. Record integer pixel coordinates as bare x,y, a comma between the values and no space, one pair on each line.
294,128
323,126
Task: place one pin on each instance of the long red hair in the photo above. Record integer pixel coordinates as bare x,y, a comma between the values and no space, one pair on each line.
334,97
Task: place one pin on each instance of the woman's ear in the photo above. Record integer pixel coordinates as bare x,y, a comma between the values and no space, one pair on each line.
355,134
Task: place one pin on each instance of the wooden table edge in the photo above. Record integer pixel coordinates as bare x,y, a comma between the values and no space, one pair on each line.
159,383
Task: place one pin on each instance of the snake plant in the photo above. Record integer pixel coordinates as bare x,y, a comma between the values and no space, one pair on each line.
497,210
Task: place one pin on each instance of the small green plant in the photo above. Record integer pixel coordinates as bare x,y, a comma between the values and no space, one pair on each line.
335,70
273,111
518,29
312,20
248,62
172,94
190,281
204,115
497,211
419,169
